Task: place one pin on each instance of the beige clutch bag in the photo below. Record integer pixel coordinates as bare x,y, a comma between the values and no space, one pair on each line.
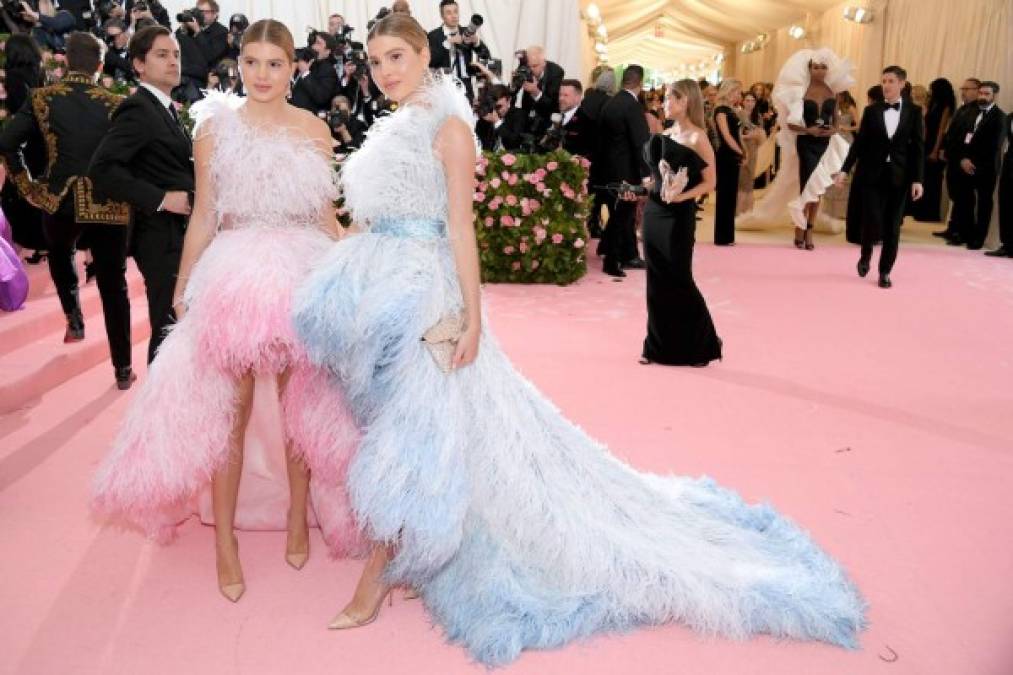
441,341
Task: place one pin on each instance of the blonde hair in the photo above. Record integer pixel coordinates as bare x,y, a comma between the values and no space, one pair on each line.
727,88
272,32
920,96
402,26
690,90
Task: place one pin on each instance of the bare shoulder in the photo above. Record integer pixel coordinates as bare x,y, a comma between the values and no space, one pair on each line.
455,137
311,125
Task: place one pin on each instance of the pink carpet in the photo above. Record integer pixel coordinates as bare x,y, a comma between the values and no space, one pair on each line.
880,420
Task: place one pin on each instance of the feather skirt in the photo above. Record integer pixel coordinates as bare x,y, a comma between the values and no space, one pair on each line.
519,530
175,435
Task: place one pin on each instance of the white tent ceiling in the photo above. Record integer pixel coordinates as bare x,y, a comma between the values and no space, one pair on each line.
663,34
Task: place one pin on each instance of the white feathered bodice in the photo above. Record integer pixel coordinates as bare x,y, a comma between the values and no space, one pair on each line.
262,176
395,174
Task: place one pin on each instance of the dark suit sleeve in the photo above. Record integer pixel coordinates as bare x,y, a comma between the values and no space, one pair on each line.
860,140
639,134
916,158
17,130
214,44
110,170
439,57
512,128
549,102
321,85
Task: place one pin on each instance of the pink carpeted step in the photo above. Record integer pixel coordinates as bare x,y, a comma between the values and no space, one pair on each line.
42,314
31,370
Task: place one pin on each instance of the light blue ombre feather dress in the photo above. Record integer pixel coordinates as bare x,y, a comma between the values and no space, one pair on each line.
518,529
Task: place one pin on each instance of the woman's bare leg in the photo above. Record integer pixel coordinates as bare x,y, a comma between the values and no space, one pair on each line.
225,492
297,545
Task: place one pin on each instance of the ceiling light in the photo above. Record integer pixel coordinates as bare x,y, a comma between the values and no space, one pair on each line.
593,13
858,14
719,58
797,32
602,33
600,47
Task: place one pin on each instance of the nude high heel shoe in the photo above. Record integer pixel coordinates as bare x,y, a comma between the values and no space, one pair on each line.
345,622
296,559
232,591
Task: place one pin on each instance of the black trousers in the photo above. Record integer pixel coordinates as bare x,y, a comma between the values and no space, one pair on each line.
975,207
619,241
882,214
108,245
157,247
1006,203
728,169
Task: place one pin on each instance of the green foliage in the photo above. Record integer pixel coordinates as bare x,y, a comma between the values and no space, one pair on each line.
530,212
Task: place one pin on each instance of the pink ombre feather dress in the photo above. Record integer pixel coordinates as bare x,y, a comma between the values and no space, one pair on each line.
271,189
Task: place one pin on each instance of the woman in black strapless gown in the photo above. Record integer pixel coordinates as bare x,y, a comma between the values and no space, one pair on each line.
819,112
679,326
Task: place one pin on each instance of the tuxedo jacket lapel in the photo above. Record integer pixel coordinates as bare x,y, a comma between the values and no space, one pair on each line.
167,119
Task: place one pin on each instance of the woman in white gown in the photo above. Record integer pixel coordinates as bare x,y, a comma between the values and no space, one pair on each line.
517,529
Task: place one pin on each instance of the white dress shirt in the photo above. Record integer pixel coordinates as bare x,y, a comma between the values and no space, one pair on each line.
568,115
892,118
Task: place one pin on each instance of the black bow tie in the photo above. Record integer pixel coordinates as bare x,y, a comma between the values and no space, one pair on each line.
893,106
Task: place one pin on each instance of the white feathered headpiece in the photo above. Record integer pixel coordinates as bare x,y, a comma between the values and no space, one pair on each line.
793,80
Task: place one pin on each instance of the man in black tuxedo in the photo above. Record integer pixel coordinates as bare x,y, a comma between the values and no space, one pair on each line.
890,151
594,101
1005,249
316,80
450,50
978,154
117,61
957,182
501,128
539,96
146,159
623,133
578,130
73,116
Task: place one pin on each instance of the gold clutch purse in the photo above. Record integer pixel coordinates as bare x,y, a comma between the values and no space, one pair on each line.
441,341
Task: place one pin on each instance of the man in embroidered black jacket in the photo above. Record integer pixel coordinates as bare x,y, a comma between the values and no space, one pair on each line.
72,116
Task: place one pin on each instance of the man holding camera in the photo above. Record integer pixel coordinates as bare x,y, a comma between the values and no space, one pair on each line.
146,159
213,37
47,26
238,23
537,81
74,116
500,126
193,61
316,80
146,9
452,47
347,131
117,62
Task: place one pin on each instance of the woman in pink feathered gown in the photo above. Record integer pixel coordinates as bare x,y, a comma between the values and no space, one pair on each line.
263,213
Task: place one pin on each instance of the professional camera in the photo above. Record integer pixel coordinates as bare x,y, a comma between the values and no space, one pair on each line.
495,66
361,61
553,138
472,28
379,15
191,15
338,119
238,23
523,73
228,74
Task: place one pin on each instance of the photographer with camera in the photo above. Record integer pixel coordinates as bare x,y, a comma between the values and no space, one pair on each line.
194,64
347,131
500,126
238,23
117,59
452,46
145,9
47,25
213,38
536,83
316,81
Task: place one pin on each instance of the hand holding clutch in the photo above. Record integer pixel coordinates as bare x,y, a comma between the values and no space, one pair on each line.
672,182
441,341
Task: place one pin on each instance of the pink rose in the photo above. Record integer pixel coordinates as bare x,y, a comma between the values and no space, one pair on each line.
534,204
541,173
531,178
579,243
509,250
512,179
508,159
552,166
534,265
540,234
584,162
483,186
495,183
480,169
494,204
522,247
507,221
489,221
557,238
540,186
515,266
511,200
479,196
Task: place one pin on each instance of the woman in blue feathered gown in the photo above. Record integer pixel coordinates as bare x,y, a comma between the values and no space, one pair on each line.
517,529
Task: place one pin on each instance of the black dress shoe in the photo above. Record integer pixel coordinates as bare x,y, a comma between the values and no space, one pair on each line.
1001,252
974,247
884,281
955,240
124,378
613,269
863,267
75,327
944,234
635,264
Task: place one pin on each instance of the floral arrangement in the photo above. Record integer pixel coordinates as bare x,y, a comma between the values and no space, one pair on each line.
530,212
